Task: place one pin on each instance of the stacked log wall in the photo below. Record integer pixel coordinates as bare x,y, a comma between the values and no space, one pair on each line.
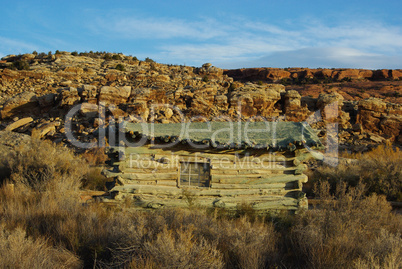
152,176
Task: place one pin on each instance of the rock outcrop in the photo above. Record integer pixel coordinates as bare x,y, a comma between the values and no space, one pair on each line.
36,101
298,74
377,116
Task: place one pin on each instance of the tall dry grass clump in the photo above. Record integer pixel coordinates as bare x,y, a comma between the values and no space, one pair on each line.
195,239
17,250
44,166
349,230
380,170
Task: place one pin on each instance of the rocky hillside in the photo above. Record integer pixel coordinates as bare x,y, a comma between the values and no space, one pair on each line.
37,90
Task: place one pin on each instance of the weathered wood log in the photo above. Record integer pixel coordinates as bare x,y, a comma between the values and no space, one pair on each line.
292,185
208,154
149,176
227,179
150,170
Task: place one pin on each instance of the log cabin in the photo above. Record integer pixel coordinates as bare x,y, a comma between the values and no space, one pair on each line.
214,164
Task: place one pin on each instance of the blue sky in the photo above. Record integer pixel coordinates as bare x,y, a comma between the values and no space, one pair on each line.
228,34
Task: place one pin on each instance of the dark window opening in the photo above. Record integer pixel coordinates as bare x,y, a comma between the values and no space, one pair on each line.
194,174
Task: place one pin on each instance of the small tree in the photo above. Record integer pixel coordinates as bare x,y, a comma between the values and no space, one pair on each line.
149,60
120,67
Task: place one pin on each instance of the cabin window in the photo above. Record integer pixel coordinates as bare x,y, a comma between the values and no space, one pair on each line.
194,174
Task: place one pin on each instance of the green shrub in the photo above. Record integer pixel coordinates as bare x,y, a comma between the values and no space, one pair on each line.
149,60
107,57
116,57
120,67
74,53
20,65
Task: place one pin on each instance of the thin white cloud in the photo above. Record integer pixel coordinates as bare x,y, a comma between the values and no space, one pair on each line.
367,45
157,28
321,57
15,46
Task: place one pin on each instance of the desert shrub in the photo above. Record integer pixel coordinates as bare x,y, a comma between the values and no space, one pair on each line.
337,234
95,156
94,179
120,67
87,231
17,250
149,60
380,170
245,209
20,65
385,251
116,57
74,53
177,249
219,242
41,165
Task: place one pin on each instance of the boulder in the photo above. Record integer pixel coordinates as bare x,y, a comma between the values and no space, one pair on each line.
18,123
251,100
138,110
87,92
377,116
23,103
47,101
292,107
114,95
330,106
68,96
44,129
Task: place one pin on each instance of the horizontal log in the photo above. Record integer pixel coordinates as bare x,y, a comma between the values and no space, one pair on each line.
205,153
293,185
251,172
151,170
149,176
270,203
227,179
151,182
206,192
149,189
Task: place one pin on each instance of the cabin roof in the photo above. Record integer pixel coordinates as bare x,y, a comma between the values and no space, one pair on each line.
272,135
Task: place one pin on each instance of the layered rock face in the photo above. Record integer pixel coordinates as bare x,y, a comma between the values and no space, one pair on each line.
36,101
377,116
276,74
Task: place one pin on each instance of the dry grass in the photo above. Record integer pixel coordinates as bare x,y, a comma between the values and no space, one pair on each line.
348,229
95,156
41,166
19,251
380,170
43,225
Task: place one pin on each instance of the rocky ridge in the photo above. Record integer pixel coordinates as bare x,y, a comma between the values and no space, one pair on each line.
36,101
